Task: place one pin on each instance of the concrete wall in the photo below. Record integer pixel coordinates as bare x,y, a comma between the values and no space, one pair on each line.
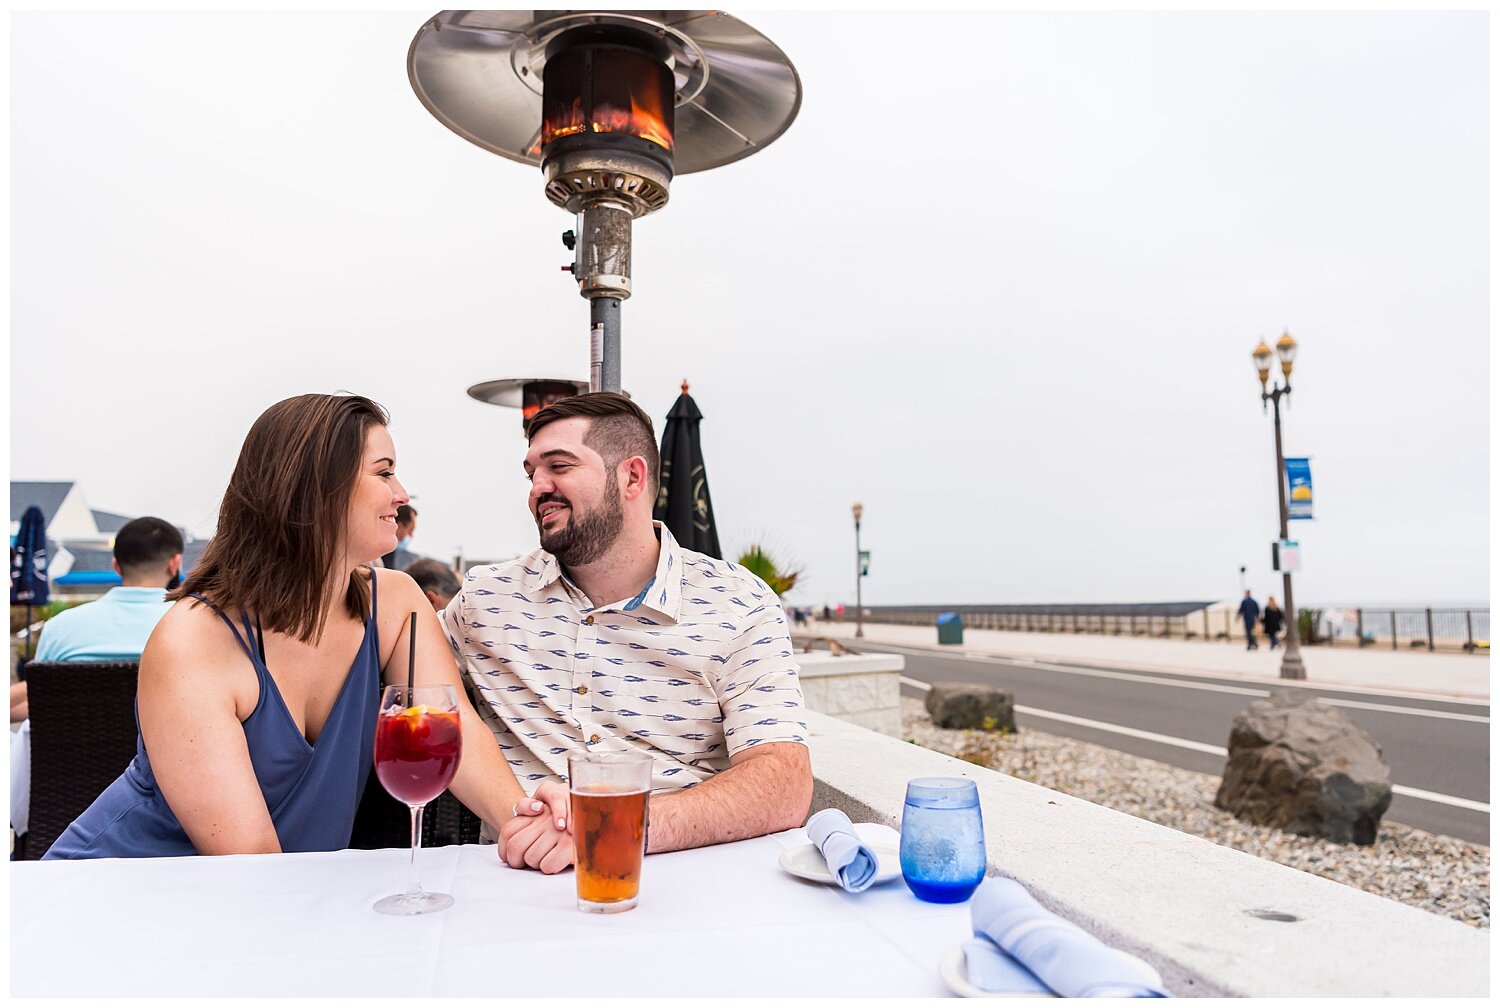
1208,917
863,689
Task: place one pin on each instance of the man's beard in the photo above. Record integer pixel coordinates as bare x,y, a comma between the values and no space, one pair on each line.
585,538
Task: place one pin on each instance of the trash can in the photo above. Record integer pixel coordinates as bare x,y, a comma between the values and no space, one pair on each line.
950,628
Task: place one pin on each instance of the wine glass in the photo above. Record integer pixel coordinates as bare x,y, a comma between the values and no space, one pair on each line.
942,839
418,739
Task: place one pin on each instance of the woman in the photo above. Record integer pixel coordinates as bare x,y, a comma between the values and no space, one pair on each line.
1272,619
259,688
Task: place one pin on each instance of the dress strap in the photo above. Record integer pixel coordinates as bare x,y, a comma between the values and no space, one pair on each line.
373,579
244,646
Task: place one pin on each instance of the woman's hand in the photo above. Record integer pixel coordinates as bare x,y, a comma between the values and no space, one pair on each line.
537,840
550,797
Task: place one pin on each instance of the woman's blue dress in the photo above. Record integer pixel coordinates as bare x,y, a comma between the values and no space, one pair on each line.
311,791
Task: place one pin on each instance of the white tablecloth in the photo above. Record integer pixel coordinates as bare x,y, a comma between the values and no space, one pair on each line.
723,920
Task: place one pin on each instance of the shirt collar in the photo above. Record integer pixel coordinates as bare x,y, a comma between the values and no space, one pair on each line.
126,593
663,594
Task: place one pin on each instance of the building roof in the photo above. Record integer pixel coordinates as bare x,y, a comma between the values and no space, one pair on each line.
91,558
109,523
101,558
47,496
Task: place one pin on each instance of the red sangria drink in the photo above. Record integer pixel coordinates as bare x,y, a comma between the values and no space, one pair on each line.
418,742
416,752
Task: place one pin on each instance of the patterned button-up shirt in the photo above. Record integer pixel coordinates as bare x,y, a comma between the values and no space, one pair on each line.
694,669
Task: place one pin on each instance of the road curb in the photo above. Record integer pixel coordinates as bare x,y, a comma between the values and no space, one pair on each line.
963,651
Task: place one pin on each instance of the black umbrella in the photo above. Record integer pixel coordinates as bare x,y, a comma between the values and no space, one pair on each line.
28,566
682,503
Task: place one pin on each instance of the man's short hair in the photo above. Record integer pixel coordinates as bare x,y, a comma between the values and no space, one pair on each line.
404,514
144,544
618,428
434,576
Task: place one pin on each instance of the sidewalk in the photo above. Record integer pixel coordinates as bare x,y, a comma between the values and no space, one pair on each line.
1415,673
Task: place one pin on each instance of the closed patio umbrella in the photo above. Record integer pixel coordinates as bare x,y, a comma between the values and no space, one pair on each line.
682,503
28,566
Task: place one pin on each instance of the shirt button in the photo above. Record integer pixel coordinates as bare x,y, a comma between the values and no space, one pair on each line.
581,690
589,620
593,740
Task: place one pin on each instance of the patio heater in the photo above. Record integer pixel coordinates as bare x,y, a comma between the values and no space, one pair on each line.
530,395
612,105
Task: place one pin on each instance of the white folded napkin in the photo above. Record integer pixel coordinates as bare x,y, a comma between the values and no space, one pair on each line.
850,861
1062,955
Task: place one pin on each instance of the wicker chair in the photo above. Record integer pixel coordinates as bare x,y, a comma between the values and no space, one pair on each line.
382,821
83,736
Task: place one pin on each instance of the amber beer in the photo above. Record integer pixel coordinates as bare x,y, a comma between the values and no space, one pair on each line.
612,840
609,794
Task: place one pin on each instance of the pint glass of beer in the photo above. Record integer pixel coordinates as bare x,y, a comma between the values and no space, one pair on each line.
608,793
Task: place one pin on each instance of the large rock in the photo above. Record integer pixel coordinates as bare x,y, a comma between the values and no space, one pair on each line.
1303,767
971,705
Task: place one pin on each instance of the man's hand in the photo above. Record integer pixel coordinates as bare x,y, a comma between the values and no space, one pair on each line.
539,837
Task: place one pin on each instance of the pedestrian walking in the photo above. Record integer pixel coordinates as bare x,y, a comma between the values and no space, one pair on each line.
1272,619
1249,612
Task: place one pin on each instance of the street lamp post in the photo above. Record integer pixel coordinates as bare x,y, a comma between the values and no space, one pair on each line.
1286,351
859,576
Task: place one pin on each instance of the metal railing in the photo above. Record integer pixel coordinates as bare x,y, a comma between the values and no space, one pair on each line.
1429,629
1468,629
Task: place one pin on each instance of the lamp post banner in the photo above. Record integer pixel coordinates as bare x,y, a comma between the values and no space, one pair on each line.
1299,490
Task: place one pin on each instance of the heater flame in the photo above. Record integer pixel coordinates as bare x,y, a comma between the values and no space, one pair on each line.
639,120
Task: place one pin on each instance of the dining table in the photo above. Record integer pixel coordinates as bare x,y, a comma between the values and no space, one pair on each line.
718,921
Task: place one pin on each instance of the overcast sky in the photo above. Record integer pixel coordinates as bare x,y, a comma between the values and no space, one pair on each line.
999,281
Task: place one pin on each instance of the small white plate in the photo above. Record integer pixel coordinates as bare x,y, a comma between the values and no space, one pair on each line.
955,973
807,862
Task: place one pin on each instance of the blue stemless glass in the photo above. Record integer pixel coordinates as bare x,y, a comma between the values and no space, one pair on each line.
942,839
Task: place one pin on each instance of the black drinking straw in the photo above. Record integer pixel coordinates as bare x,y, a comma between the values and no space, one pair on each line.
411,663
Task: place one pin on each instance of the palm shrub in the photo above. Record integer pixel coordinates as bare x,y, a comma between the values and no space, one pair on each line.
1307,625
758,562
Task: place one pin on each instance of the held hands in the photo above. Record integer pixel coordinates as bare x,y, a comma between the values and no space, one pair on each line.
540,835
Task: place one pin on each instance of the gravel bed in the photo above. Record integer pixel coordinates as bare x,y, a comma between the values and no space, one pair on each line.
1439,874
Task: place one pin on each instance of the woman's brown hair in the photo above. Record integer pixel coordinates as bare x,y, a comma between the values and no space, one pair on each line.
281,525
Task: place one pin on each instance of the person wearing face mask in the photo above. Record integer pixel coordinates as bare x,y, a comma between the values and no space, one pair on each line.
402,557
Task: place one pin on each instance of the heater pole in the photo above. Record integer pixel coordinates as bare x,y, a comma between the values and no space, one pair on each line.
604,321
602,266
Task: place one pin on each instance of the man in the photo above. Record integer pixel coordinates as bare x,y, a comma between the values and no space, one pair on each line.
1249,613
612,638
437,581
402,557
147,556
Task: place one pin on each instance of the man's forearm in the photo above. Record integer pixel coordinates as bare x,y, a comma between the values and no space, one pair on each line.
768,791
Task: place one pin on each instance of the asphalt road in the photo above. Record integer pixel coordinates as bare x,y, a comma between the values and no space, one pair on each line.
1436,746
